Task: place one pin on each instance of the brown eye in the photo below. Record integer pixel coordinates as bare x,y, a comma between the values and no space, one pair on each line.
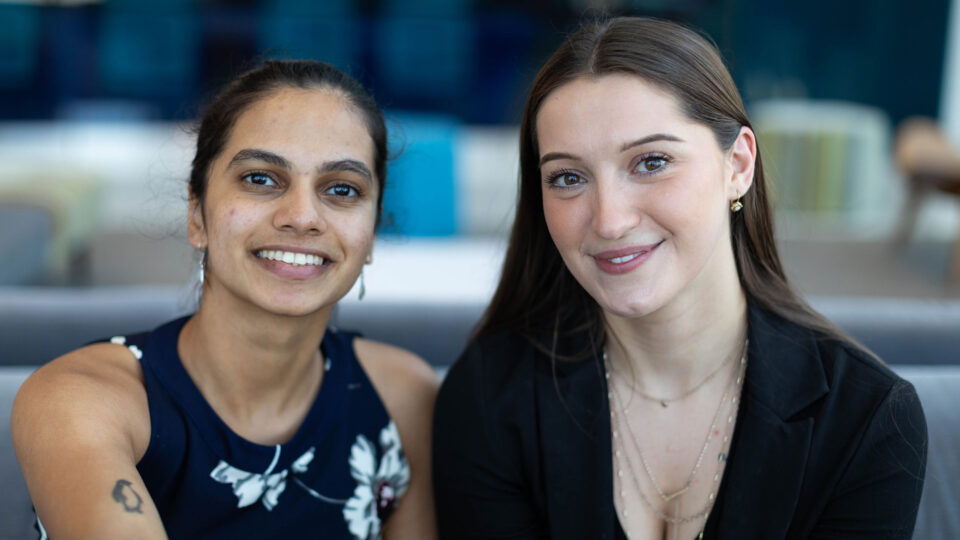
259,179
651,164
565,179
343,190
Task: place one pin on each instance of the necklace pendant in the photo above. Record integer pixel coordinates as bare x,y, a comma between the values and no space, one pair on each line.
663,403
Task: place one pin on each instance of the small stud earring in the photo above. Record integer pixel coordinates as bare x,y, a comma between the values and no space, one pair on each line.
736,205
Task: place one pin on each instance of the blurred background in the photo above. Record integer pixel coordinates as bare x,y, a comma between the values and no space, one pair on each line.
98,99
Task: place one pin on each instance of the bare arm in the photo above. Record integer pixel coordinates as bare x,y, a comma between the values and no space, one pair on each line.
79,426
408,387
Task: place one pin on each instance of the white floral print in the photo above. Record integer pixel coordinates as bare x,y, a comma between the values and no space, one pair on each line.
379,486
266,487
122,340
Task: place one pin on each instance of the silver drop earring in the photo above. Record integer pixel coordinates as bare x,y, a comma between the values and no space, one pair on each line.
201,270
363,287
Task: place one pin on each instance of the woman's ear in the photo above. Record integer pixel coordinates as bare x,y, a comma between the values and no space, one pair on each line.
196,229
741,160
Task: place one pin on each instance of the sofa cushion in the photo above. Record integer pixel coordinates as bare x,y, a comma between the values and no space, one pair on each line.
937,386
16,512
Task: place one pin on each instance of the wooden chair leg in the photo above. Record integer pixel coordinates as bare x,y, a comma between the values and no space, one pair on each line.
909,213
953,274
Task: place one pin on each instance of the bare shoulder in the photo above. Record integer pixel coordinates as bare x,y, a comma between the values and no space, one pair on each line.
398,366
406,384
86,408
408,388
92,392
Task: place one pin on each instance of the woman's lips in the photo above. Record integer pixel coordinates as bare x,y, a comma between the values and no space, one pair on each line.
300,266
623,260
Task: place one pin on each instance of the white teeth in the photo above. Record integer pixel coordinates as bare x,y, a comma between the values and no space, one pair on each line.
291,258
625,258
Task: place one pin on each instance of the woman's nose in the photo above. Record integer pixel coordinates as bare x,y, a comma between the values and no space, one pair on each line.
300,210
614,211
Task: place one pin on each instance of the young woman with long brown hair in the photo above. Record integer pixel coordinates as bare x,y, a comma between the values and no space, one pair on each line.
644,370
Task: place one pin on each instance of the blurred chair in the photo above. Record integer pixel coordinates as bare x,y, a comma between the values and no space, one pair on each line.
929,164
68,203
827,159
25,243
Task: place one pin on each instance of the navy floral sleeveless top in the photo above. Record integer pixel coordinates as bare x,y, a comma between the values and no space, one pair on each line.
340,476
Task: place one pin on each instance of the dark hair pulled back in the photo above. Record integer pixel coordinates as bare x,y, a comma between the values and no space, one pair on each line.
258,83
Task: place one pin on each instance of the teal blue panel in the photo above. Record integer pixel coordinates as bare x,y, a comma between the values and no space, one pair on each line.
309,8
427,8
426,57
19,45
420,199
148,53
151,5
329,39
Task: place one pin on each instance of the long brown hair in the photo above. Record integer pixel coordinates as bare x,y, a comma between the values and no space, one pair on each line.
537,296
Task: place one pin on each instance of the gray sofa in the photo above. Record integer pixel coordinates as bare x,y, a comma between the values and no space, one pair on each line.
920,339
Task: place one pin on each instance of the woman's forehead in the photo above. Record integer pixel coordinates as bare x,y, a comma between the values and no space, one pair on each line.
305,122
609,109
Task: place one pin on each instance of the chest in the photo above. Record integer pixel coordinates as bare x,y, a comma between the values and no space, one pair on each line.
668,462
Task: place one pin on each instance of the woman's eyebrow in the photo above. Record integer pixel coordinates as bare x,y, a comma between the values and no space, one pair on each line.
649,139
255,154
626,146
556,155
347,165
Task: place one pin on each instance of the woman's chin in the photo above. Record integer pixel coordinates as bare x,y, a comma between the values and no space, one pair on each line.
629,308
296,306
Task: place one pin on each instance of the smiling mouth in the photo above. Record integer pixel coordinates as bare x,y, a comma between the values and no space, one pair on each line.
290,257
625,260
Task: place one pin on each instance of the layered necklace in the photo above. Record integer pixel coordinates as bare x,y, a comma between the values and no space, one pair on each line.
619,413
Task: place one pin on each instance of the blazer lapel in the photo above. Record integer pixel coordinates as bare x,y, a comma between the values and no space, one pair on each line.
575,439
768,457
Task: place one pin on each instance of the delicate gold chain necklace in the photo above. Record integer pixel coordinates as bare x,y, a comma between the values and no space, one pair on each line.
664,402
721,457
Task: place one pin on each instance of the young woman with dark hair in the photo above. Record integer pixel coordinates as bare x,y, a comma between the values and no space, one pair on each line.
644,370
251,418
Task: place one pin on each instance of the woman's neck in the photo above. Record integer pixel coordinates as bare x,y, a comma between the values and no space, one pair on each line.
670,350
248,362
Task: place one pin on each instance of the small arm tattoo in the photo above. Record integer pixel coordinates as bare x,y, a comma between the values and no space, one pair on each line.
124,494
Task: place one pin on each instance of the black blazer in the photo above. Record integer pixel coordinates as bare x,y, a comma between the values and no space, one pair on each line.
829,443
